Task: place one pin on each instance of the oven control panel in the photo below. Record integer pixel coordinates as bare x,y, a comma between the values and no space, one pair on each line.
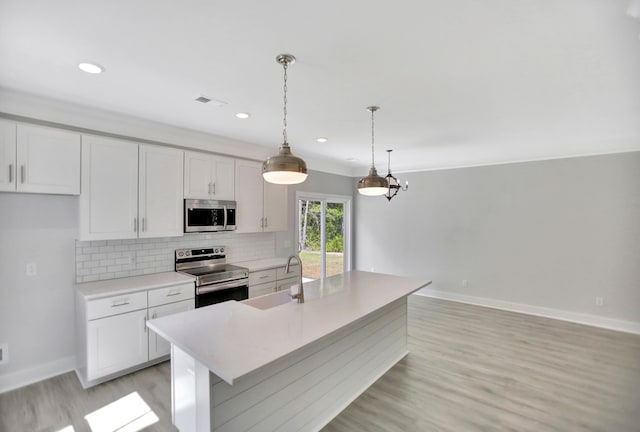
196,253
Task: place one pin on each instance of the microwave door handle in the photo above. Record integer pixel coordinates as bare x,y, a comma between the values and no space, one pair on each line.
225,216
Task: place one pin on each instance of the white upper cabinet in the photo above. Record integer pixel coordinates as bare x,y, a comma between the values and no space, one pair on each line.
249,196
208,176
275,207
261,206
7,156
130,190
38,159
160,191
109,199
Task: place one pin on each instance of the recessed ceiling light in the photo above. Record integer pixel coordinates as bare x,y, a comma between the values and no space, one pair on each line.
91,68
322,139
243,115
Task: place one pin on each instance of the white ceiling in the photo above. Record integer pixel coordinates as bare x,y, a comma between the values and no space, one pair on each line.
459,82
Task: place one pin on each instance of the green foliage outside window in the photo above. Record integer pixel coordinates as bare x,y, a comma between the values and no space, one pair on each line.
310,226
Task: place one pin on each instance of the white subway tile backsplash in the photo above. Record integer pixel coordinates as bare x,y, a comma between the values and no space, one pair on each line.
108,259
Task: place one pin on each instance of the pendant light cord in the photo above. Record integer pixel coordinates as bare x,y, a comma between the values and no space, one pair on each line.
372,140
284,121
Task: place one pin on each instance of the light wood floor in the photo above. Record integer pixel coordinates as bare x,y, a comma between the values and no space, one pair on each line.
470,369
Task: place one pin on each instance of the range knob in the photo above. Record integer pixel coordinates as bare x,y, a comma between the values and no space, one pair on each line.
221,250
180,254
187,253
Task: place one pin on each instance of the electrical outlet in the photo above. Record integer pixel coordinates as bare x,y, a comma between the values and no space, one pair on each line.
31,269
599,301
4,353
465,283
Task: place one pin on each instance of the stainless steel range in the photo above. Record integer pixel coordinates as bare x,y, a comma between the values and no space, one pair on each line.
216,281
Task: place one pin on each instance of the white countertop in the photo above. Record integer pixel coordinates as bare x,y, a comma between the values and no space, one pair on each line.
263,264
234,339
95,290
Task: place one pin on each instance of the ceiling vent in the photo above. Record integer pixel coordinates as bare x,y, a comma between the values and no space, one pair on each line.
205,99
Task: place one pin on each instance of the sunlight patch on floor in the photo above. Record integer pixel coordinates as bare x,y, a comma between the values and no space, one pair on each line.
67,429
128,414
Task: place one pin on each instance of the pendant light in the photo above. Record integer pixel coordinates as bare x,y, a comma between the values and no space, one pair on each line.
284,168
372,184
392,181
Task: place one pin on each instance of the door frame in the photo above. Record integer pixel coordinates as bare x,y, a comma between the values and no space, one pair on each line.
331,198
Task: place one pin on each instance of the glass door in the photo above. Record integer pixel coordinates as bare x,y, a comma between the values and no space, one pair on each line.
323,235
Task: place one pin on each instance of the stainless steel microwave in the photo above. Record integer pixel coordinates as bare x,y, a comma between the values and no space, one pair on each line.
209,215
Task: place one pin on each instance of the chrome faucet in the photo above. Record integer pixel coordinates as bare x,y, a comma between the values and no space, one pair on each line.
300,295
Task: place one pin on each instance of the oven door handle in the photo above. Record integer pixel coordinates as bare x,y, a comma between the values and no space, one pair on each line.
203,289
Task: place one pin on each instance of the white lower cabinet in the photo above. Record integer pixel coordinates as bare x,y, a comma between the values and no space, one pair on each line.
271,280
116,343
112,333
159,347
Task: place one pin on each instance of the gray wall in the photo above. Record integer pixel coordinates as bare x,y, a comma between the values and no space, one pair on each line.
37,312
553,234
317,182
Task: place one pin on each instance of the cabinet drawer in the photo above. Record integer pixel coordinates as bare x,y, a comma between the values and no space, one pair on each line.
294,271
285,284
171,294
262,289
116,305
263,276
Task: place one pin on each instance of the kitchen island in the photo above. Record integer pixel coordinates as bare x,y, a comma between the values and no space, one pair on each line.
268,364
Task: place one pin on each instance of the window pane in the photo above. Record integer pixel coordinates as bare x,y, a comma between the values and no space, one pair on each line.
334,233
309,241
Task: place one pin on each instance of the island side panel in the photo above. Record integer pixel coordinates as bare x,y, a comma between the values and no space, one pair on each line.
190,383
306,389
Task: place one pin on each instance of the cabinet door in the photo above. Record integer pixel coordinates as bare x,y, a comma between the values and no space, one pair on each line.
159,347
197,175
275,207
286,284
223,178
116,343
109,199
48,160
249,196
262,289
160,203
7,156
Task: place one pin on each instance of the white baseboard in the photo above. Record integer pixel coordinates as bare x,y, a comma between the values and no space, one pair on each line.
580,318
37,373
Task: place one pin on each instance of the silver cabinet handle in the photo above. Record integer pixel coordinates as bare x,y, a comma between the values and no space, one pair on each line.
135,224
261,222
122,303
174,293
214,187
263,277
266,222
22,173
144,324
209,188
143,225
10,173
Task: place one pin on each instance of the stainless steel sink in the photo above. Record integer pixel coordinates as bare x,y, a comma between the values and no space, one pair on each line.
270,300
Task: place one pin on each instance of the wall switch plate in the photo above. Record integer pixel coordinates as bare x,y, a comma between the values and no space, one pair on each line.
31,269
4,353
465,283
